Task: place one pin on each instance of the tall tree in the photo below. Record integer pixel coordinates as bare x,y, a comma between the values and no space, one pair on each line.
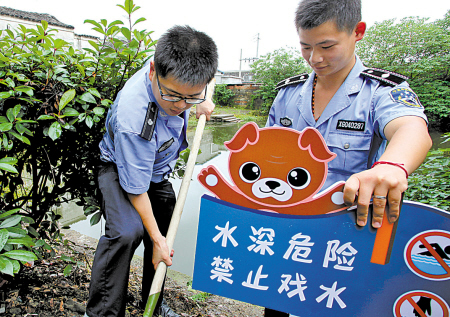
420,50
274,67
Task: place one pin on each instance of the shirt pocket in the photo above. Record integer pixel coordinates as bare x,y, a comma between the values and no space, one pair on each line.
352,151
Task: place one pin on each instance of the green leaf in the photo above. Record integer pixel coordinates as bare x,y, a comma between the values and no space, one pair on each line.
93,23
16,110
21,255
11,222
6,266
95,218
95,92
71,112
3,238
10,115
20,137
40,243
89,121
16,266
68,270
10,33
94,44
25,121
33,232
9,212
8,168
126,32
5,94
116,22
55,130
25,89
27,241
139,20
20,128
66,98
16,232
5,127
46,117
66,258
8,160
80,69
10,82
87,97
99,111
44,24
106,102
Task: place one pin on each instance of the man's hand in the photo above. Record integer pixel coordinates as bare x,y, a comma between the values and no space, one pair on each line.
206,107
381,181
409,143
161,252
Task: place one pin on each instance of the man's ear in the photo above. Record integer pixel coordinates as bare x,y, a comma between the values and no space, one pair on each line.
360,30
152,70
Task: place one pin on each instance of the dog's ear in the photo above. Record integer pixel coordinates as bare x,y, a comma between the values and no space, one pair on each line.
248,134
313,141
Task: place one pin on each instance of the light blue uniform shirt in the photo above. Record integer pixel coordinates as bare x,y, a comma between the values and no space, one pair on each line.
138,160
353,122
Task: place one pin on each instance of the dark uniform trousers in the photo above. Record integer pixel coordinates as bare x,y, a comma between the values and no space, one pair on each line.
124,232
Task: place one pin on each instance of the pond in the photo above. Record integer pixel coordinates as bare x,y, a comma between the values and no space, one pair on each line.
213,152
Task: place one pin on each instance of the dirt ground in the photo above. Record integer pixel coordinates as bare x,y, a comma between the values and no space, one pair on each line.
42,289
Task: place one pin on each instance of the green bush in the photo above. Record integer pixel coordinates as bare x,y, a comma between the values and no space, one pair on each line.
223,96
273,68
420,49
430,183
53,102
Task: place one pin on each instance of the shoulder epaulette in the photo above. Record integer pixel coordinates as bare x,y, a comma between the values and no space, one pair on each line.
384,76
292,80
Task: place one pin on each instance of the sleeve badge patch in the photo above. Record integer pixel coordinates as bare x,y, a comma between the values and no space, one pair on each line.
405,96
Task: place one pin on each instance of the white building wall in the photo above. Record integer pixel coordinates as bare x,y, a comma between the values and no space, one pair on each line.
66,34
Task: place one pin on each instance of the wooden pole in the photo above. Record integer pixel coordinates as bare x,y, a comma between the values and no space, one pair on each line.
160,273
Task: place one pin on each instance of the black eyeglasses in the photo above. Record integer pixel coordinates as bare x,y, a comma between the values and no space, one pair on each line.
173,98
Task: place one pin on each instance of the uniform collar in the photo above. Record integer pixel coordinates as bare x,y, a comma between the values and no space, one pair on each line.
353,82
341,100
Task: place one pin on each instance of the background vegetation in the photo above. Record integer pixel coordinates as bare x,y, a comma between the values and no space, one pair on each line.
420,50
53,101
273,68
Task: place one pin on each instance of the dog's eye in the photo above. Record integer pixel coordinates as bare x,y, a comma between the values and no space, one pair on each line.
299,178
249,172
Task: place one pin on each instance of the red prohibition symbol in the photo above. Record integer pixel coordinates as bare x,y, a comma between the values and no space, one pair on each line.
427,255
420,303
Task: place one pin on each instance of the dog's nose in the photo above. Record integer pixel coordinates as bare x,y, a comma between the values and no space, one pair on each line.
272,184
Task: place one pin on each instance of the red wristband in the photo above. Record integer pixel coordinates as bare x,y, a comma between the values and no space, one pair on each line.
402,166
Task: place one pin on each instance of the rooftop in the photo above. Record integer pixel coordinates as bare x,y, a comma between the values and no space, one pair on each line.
33,16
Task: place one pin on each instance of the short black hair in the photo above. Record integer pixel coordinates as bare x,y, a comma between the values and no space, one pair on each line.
312,13
189,56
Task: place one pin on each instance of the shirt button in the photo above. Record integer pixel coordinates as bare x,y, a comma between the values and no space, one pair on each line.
346,145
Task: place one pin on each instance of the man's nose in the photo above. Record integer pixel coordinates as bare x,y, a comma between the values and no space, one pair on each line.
315,57
181,104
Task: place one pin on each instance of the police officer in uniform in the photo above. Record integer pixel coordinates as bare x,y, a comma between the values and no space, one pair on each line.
146,131
370,118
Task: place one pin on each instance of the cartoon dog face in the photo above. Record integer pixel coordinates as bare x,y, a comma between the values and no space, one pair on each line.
276,167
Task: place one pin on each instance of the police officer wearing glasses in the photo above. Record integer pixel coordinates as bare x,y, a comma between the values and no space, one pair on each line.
146,131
